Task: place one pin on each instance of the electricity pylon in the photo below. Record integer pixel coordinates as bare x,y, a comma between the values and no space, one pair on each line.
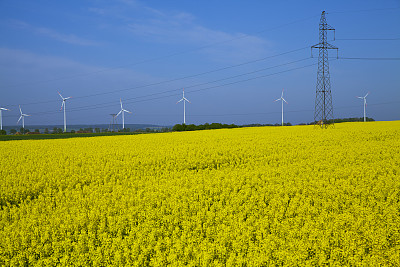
111,128
323,114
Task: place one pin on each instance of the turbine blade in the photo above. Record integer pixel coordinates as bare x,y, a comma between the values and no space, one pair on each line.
179,101
19,119
282,92
366,94
277,99
67,98
120,101
284,100
20,110
127,111
360,97
62,105
118,113
186,99
60,95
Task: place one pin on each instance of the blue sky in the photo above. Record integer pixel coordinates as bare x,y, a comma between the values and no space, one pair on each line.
145,52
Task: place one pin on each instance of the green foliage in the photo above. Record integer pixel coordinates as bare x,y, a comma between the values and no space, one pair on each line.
57,130
353,119
153,130
206,126
3,132
125,130
347,120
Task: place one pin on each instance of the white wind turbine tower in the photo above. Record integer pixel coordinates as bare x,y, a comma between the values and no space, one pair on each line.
22,117
281,99
184,105
63,106
1,118
365,103
122,111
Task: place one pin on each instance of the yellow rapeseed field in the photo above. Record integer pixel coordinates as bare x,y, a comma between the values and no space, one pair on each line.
249,196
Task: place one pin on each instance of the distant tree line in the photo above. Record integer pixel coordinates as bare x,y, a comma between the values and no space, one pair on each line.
206,126
353,119
268,124
343,120
176,127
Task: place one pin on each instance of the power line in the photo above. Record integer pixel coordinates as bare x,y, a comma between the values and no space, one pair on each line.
171,80
371,58
247,73
363,10
203,73
127,100
367,39
288,111
192,91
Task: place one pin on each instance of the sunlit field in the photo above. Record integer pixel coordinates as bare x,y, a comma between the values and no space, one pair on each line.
257,196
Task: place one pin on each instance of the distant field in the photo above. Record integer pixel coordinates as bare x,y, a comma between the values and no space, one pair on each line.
261,196
59,136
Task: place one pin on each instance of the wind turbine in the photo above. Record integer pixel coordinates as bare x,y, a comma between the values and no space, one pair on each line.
365,103
184,105
122,111
1,118
63,106
22,117
281,99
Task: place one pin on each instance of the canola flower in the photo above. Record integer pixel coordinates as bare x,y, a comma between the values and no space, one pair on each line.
250,196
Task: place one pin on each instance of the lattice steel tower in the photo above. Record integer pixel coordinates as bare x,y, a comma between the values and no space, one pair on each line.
323,114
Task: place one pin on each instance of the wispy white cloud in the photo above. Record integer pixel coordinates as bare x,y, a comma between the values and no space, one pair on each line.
44,69
29,77
50,33
179,27
96,10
